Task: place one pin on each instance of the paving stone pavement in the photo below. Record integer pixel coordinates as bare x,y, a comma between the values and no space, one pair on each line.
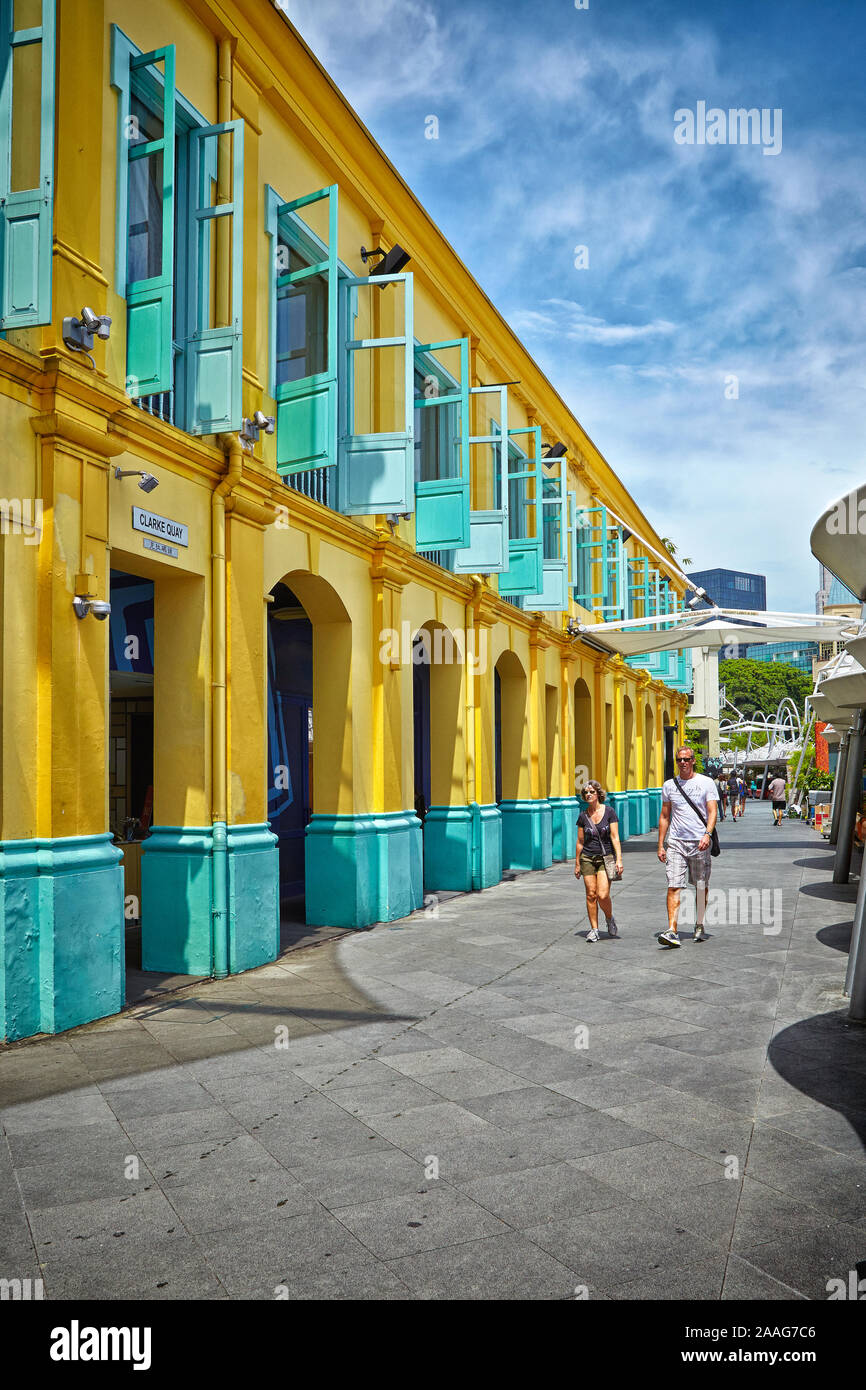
471,1103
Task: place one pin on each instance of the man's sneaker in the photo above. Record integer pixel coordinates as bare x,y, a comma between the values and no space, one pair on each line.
668,938
700,934
592,935
612,928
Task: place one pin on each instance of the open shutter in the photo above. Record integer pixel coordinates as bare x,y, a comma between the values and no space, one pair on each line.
215,270
487,551
150,194
304,306
525,574
376,467
26,186
442,503
553,594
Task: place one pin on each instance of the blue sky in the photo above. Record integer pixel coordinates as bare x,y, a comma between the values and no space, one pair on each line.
706,262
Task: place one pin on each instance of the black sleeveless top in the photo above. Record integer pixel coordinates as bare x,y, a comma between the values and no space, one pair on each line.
596,838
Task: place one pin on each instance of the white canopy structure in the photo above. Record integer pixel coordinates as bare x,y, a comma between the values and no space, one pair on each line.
715,628
838,540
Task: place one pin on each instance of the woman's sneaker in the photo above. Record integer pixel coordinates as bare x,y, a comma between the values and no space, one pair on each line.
592,935
612,928
700,934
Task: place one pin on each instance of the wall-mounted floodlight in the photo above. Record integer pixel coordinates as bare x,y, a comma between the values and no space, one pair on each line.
392,261
626,534
78,334
252,428
556,451
147,482
572,628
88,603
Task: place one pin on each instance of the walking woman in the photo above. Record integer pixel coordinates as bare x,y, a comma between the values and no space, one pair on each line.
597,837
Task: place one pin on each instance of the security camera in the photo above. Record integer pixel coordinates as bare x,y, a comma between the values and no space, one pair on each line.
264,422
85,603
78,333
146,481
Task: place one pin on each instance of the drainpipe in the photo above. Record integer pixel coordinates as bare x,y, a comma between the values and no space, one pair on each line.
473,604
219,706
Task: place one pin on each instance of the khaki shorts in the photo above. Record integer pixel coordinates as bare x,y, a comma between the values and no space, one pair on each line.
591,863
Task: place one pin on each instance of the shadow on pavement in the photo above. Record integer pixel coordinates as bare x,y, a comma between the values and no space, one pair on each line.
837,936
824,1058
838,892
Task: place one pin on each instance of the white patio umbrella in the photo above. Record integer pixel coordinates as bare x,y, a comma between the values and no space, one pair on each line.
715,628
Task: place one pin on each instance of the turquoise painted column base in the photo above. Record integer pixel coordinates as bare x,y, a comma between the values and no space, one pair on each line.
61,933
363,869
620,803
527,834
254,897
654,796
566,810
638,812
177,907
462,848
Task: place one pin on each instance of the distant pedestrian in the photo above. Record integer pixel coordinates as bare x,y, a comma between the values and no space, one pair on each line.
722,789
777,792
754,789
690,804
734,794
599,855
741,784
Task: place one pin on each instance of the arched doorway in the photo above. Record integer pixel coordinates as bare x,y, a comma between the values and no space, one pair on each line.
628,752
669,734
310,764
583,754
649,751
510,724
290,740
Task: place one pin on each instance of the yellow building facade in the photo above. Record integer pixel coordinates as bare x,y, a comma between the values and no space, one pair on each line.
337,670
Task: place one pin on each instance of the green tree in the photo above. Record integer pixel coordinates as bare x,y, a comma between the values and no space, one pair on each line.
754,685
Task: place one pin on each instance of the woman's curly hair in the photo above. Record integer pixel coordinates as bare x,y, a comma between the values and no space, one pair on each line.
598,787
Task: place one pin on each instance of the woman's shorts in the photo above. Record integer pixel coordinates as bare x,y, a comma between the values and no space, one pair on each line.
591,863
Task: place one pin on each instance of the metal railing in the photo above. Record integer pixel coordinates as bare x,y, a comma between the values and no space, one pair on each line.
315,483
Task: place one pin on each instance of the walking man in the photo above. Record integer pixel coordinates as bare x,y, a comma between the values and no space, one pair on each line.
690,804
733,793
722,789
777,791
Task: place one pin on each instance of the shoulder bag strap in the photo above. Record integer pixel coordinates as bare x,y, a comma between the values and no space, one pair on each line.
697,810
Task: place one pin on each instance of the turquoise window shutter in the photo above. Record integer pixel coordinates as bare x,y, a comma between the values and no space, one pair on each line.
26,224
213,349
525,573
553,594
442,503
303,300
375,469
487,552
150,202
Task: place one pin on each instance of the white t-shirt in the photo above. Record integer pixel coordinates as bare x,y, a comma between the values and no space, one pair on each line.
686,824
